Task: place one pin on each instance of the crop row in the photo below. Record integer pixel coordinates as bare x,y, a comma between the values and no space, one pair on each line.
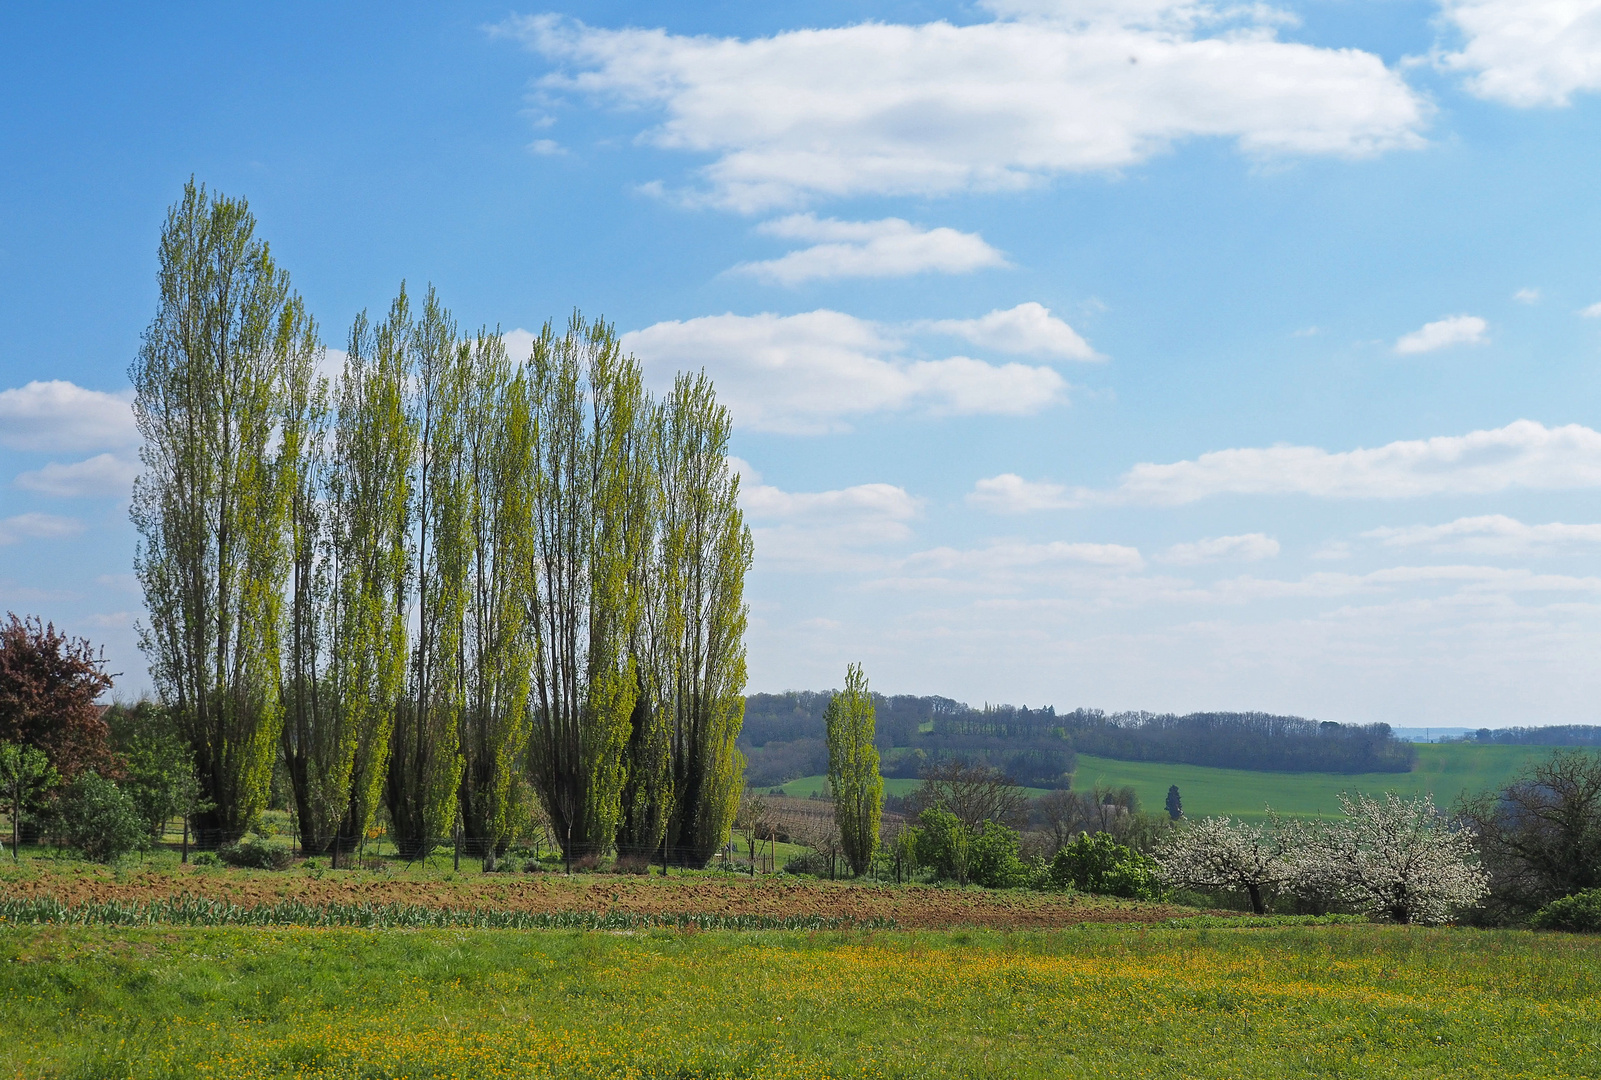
199,911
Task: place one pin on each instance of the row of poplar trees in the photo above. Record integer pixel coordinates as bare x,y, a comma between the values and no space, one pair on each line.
438,581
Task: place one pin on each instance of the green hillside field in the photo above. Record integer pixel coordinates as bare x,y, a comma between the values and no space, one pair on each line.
1445,770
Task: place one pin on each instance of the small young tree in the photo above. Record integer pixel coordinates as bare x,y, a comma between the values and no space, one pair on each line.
1400,858
944,843
25,774
853,769
1175,805
1217,853
1099,864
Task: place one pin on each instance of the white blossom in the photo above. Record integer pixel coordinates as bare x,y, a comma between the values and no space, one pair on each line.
1218,853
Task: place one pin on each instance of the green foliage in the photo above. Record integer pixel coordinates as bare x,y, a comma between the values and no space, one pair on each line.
1099,864
1174,804
993,859
943,844
257,853
210,507
1579,913
25,776
853,769
100,819
159,776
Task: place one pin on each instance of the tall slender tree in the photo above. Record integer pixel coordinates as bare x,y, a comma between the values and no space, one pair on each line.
587,398
853,769
425,753
704,550
500,438
209,507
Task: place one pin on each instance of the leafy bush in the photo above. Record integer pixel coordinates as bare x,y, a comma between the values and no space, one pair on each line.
205,858
1579,913
993,859
257,853
1099,864
943,844
99,819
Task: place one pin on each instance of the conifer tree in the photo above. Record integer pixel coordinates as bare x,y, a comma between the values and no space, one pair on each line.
853,770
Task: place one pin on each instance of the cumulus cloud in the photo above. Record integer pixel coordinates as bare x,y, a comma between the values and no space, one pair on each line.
889,109
1027,329
1013,557
1524,454
1592,312
1490,534
1009,493
872,249
14,530
811,373
103,474
1527,296
1247,547
63,417
1452,330
1526,52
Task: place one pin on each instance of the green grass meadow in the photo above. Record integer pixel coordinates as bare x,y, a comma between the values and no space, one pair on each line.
1358,1001
1445,770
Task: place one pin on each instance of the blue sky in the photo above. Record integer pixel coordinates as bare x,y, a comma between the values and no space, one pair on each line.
1119,354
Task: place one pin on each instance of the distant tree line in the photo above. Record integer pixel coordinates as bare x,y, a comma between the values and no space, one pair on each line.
783,739
1555,735
439,579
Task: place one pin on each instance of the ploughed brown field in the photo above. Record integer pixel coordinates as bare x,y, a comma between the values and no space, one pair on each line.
911,906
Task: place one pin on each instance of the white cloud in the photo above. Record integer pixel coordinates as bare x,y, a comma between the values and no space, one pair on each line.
547,148
1028,329
823,530
809,373
37,527
1592,312
1248,547
1009,493
888,109
103,474
1490,534
1452,330
1527,296
1526,52
873,249
61,416
1524,454
1013,557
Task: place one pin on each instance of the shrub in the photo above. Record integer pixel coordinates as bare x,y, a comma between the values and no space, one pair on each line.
257,853
993,859
1099,864
99,819
943,844
814,863
1579,913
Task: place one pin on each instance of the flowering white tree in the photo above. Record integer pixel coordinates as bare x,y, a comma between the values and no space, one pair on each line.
1400,858
1218,853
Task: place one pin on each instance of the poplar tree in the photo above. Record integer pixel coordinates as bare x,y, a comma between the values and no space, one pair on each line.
209,507
853,769
587,399
369,570
425,747
500,438
307,727
704,550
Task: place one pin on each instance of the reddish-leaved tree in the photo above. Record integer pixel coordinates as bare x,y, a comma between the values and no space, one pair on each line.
48,686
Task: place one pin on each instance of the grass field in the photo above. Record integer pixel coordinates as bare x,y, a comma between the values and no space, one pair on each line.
1348,1001
1444,770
